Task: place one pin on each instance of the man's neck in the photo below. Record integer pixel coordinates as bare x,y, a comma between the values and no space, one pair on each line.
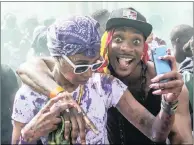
62,81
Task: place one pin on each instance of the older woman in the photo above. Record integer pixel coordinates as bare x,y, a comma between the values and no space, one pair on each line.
127,55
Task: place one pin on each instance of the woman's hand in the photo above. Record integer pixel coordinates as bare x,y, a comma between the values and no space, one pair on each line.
77,121
74,121
46,119
171,88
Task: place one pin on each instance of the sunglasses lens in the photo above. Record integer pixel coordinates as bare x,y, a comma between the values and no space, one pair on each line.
96,66
81,69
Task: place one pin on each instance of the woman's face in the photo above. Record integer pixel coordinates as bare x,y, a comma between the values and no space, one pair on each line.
67,69
125,50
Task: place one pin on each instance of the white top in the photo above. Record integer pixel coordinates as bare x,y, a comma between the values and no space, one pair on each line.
100,93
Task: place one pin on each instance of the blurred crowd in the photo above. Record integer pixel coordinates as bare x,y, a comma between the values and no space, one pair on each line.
21,42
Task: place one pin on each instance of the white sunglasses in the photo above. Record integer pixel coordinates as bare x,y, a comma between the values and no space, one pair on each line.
79,69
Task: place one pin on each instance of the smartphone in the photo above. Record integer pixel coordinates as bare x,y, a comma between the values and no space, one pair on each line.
161,66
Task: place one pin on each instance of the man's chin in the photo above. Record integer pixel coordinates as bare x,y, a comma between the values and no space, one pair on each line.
123,73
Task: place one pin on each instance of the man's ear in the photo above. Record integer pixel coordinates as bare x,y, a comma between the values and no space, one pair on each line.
177,40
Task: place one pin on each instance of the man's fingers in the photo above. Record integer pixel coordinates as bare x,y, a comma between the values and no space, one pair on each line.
166,85
66,116
166,91
168,51
172,61
75,128
169,75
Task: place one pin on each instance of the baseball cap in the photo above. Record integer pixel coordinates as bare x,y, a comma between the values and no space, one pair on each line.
131,18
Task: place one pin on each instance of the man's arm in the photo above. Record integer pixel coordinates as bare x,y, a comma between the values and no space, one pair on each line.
181,132
36,73
135,113
156,128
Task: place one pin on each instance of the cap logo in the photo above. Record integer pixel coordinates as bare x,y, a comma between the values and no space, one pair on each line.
130,14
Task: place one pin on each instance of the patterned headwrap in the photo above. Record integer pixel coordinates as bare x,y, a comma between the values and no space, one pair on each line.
78,34
105,41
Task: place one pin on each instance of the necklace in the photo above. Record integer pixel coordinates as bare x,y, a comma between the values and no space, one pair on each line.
80,94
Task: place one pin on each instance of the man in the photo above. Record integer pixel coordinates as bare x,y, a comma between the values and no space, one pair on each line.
179,36
10,31
188,71
39,44
183,45
9,86
10,39
48,21
101,16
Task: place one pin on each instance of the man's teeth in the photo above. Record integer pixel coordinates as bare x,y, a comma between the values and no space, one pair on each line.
125,59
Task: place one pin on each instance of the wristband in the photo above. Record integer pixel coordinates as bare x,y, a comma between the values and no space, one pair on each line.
56,91
169,107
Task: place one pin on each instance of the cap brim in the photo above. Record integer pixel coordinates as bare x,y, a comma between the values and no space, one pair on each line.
143,27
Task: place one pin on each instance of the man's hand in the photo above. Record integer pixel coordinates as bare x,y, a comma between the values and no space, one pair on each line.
173,87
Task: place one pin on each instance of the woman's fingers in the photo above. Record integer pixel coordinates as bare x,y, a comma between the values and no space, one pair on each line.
66,116
51,102
57,120
81,125
75,128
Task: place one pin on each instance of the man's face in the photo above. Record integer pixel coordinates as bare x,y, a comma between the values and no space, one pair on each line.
189,46
183,42
178,46
125,50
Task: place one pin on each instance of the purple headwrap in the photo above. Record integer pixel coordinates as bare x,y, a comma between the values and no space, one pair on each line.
78,34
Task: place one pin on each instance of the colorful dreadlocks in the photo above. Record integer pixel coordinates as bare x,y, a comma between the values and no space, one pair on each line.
105,41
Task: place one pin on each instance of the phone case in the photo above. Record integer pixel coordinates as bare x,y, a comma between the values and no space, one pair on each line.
161,66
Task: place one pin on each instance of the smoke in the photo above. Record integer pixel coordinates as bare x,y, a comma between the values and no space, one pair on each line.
172,13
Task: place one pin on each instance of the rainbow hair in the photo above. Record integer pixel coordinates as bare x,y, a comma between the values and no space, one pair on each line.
105,41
